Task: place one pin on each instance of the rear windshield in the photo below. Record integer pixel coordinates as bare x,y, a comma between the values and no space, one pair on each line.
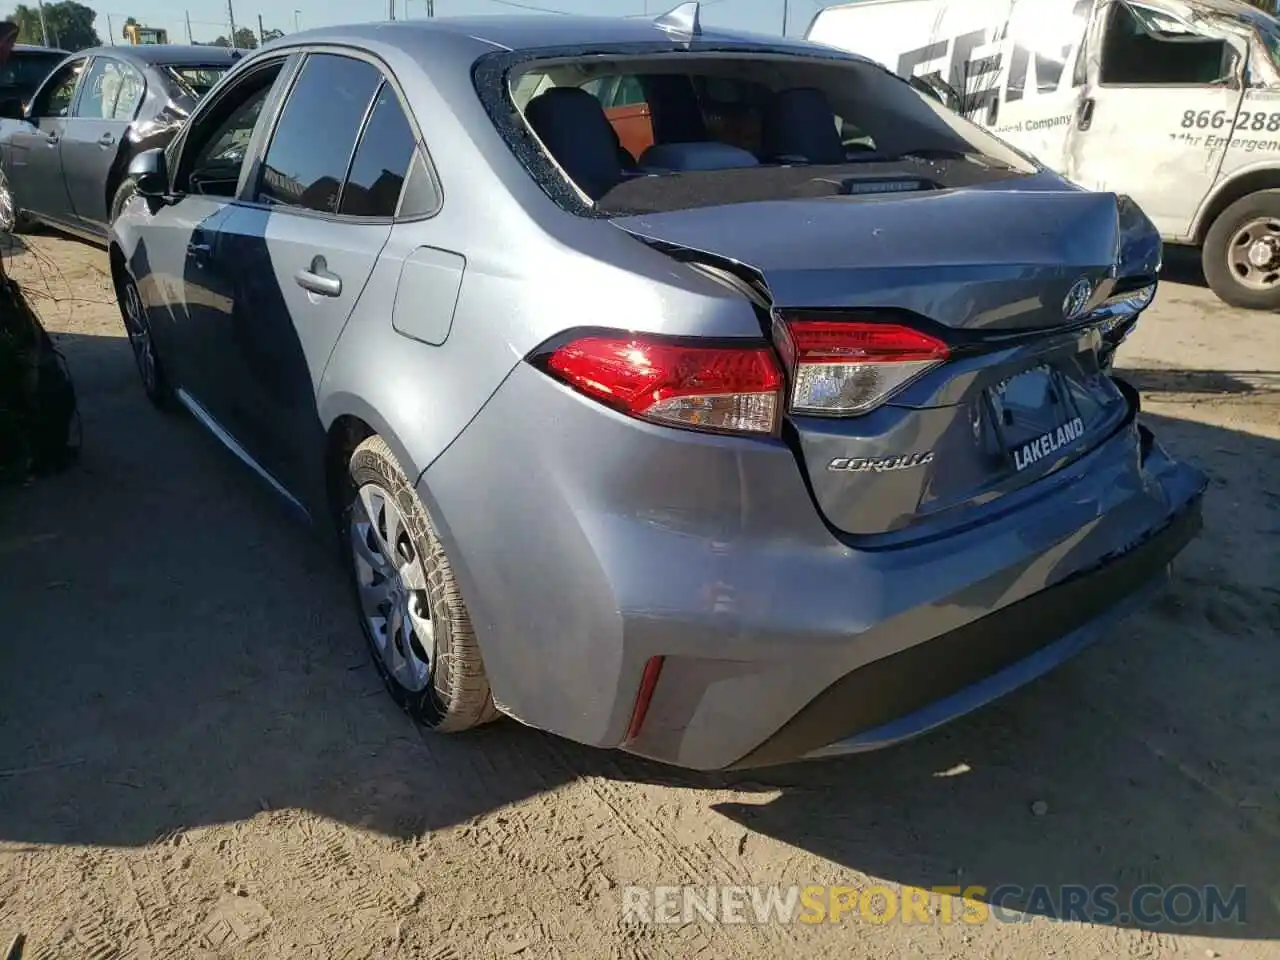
26,71
687,129
196,81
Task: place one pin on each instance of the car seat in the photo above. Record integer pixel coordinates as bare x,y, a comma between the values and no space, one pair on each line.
799,124
574,128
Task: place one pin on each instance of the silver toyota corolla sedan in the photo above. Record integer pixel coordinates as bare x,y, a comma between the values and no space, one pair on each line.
717,397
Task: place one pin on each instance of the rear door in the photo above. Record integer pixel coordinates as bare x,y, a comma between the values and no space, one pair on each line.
109,98
301,249
35,159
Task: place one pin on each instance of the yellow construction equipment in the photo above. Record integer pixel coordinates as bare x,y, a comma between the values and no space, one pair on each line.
136,33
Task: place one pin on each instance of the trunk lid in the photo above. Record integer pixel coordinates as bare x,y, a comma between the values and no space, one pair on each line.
1019,286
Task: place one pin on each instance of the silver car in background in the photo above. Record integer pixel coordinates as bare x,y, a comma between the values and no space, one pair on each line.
792,435
64,153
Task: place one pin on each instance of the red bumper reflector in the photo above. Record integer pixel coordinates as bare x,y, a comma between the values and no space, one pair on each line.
648,680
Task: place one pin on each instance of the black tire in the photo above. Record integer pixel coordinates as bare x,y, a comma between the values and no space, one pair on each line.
1216,255
155,383
456,697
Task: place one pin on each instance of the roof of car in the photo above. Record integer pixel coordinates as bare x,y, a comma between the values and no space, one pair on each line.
525,32
36,48
166,54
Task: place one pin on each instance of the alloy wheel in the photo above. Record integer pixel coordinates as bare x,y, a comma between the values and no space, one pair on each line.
139,330
392,585
8,214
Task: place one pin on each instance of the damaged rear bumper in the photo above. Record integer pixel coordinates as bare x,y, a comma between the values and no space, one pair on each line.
919,688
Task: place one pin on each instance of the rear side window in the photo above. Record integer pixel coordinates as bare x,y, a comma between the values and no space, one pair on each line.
112,91
382,160
312,146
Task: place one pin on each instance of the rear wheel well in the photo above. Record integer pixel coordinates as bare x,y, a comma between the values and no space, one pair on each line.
345,434
1268,179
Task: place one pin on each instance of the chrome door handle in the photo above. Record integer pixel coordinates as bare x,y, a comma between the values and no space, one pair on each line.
106,140
319,279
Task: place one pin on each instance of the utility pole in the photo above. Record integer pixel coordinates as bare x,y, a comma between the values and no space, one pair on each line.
231,16
391,8
784,17
44,29
111,31
262,37
296,24
188,15
431,8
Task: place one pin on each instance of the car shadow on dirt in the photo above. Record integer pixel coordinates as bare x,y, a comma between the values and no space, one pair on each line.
178,652
1155,380
1182,265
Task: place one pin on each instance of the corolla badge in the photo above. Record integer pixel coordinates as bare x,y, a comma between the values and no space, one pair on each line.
1077,298
880,464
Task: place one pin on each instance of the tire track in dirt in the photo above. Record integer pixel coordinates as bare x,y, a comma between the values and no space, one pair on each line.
701,865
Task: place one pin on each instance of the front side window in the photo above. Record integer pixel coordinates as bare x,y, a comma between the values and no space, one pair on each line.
311,149
55,99
628,93
218,141
1147,46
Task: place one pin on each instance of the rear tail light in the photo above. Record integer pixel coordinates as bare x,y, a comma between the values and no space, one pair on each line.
723,389
845,367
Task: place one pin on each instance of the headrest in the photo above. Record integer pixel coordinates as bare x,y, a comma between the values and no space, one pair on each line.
799,122
696,156
573,126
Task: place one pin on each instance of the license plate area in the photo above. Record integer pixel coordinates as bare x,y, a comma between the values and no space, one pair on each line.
1035,417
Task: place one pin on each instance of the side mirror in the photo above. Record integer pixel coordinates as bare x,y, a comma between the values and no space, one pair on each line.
150,173
11,109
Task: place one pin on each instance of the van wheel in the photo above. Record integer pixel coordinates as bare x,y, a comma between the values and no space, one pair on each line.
1241,254
412,612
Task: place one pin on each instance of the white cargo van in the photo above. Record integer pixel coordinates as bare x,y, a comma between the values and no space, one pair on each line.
1173,102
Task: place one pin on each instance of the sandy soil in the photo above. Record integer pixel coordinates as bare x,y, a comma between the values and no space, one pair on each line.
196,759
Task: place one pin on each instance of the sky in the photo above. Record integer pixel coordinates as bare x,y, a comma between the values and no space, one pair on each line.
209,17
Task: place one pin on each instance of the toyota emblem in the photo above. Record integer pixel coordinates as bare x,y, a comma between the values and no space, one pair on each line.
1077,298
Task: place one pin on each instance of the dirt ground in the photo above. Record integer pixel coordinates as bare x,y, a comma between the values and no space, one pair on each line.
197,759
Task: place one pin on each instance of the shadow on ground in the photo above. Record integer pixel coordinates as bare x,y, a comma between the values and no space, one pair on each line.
177,652
1155,380
1182,265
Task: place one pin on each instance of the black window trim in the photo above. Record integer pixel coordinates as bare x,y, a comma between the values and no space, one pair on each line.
245,196
75,104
